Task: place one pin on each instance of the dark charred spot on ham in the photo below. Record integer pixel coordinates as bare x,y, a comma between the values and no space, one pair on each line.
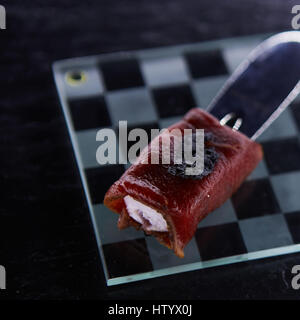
210,158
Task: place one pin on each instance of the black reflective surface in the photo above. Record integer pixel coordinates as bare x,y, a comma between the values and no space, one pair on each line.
51,252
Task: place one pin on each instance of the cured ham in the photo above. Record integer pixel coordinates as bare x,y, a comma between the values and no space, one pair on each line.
164,203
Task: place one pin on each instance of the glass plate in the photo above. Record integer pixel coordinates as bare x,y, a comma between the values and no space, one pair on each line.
153,89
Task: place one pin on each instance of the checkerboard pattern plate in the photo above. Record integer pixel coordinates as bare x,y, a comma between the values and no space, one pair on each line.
153,89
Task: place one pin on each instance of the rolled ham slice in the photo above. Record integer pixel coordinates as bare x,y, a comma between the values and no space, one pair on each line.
170,207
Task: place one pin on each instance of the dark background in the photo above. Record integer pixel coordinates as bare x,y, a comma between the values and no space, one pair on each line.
46,239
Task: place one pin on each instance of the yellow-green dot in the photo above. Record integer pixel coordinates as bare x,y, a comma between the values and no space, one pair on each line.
75,78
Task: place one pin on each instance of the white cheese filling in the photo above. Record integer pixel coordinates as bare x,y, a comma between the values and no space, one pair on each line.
150,219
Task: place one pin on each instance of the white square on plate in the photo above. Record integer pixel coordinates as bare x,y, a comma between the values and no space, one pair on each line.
165,71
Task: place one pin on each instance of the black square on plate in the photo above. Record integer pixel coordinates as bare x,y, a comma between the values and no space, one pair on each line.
295,107
127,257
89,113
101,178
282,155
220,241
173,101
121,74
293,221
255,198
206,64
